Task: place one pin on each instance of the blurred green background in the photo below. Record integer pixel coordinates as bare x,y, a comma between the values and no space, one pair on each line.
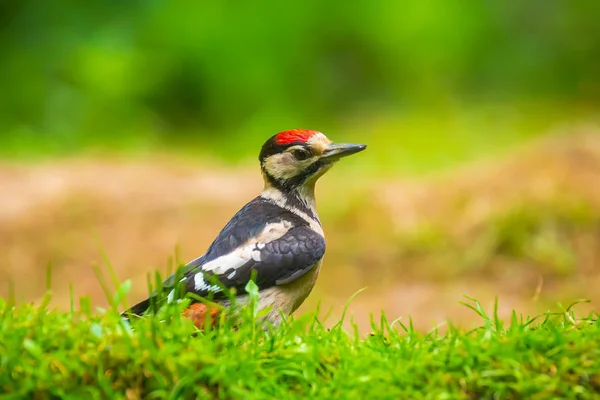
217,77
130,127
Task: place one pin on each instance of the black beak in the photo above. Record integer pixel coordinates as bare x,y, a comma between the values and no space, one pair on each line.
336,151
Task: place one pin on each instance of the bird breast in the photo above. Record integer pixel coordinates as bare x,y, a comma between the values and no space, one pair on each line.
284,298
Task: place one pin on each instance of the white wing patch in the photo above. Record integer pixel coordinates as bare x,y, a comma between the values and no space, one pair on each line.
201,286
272,231
240,256
233,260
251,251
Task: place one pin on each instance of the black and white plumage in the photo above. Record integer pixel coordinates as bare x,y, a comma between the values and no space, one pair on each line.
277,236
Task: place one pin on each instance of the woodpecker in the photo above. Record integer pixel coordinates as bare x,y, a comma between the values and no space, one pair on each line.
275,239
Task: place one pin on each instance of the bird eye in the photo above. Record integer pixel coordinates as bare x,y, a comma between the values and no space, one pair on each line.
301,154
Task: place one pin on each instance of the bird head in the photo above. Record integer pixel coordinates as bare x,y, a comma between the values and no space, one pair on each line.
297,158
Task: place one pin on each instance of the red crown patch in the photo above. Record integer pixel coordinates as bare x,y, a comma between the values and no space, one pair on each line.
294,136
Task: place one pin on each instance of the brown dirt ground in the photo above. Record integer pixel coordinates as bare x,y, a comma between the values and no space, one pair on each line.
78,213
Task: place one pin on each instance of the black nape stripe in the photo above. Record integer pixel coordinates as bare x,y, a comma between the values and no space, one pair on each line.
303,176
294,199
289,187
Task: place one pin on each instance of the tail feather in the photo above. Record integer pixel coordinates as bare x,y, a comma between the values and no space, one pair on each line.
138,309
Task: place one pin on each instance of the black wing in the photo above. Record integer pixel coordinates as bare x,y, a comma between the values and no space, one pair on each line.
245,225
281,260
278,262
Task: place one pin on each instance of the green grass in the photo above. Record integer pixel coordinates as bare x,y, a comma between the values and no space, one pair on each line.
49,354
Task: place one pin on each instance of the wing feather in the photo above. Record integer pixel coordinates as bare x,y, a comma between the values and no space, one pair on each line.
278,262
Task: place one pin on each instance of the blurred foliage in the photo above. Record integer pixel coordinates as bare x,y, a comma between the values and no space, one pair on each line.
154,73
544,236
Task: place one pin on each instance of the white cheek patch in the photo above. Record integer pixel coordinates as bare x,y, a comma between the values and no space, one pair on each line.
284,166
281,166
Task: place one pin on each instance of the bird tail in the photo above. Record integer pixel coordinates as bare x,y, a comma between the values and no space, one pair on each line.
138,309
